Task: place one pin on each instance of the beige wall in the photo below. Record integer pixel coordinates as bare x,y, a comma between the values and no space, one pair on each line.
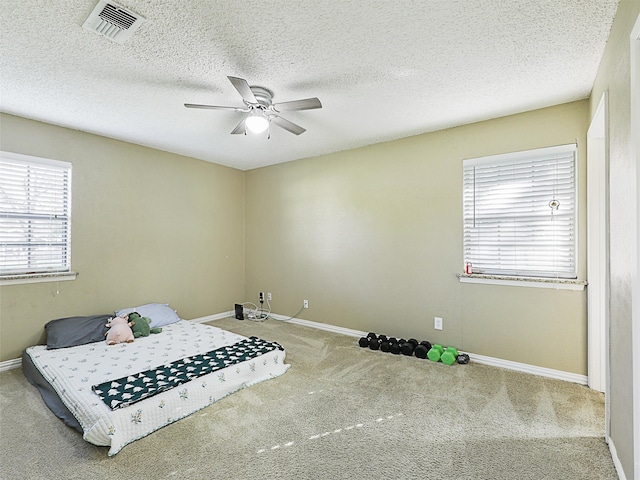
614,77
372,237
147,226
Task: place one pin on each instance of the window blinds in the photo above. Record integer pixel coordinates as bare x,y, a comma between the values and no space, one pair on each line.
35,215
520,213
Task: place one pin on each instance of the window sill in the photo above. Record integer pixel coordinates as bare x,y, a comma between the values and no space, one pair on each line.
556,283
37,278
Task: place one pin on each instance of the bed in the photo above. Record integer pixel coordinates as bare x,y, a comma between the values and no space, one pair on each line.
117,394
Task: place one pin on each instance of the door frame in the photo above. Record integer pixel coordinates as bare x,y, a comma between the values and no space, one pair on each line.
635,302
598,250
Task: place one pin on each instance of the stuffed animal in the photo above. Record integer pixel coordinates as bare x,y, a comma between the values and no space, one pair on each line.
119,331
142,325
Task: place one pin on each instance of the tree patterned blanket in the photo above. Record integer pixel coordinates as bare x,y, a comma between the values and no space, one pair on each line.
128,390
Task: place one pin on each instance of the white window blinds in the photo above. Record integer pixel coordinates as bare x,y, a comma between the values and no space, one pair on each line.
520,213
35,215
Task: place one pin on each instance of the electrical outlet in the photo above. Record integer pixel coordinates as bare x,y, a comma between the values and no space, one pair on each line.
437,323
269,296
305,303
262,296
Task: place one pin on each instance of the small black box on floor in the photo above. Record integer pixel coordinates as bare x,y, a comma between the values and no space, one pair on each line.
239,313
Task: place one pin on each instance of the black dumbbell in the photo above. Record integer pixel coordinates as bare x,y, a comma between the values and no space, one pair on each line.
408,347
422,349
374,342
387,345
462,359
395,348
364,341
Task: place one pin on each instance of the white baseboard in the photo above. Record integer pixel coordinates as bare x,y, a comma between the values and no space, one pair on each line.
482,359
213,318
319,326
10,364
533,369
616,460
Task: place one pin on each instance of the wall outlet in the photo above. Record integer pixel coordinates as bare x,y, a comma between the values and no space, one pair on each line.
262,296
437,323
305,303
269,296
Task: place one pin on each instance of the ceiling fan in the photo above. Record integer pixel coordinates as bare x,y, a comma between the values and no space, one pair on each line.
259,110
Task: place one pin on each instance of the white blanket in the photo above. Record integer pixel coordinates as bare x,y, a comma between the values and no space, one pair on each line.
72,372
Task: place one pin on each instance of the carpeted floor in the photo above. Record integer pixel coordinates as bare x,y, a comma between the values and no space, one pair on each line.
340,412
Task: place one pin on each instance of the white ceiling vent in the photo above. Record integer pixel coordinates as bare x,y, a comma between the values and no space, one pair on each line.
113,21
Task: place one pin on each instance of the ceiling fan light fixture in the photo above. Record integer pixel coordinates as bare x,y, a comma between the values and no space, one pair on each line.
257,122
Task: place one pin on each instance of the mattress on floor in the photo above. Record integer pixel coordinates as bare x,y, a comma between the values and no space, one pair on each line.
66,378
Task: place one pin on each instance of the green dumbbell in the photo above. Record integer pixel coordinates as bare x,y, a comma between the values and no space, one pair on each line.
449,356
435,353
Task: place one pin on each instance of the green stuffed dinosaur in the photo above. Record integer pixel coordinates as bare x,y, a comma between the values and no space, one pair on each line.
141,325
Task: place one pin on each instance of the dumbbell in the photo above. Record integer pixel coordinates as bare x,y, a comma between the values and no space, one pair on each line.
408,347
378,343
435,352
386,345
365,341
462,359
422,349
449,356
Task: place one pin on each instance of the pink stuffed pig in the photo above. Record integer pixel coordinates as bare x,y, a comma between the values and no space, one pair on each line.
119,330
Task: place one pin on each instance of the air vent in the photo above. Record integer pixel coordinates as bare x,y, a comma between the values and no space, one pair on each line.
113,21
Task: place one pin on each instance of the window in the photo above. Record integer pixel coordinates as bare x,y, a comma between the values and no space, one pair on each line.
35,215
520,213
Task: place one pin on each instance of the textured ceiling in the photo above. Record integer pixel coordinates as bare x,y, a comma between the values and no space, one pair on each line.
383,69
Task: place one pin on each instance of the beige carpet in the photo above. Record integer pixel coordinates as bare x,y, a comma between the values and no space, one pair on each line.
340,412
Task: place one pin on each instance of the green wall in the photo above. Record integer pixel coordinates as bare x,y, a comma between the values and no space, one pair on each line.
614,77
147,226
372,237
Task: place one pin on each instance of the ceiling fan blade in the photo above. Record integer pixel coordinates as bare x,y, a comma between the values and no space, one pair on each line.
242,86
240,128
287,125
215,107
304,104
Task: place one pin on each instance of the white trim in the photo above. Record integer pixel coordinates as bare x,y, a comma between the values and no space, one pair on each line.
635,284
31,159
214,317
37,278
557,284
616,460
320,326
10,364
524,154
526,368
482,359
598,249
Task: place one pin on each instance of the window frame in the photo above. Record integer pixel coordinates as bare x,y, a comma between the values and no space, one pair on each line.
504,276
61,270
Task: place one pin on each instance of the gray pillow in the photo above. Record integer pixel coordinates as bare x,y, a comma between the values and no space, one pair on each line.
161,314
73,331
